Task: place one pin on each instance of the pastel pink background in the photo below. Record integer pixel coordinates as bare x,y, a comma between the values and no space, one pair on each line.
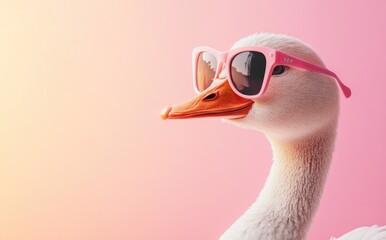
84,154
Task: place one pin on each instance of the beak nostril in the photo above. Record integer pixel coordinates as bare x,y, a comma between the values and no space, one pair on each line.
210,97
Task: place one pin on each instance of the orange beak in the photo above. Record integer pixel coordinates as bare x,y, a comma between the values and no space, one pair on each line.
217,101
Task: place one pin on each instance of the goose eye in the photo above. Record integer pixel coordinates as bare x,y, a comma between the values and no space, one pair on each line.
280,69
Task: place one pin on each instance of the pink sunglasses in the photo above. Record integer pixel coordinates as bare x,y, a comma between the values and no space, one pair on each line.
249,69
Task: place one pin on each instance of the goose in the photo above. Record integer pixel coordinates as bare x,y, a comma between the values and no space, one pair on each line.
298,113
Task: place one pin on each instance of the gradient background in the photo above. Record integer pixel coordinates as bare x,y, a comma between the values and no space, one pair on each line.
84,154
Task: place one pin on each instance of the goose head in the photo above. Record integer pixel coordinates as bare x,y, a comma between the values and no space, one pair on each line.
297,102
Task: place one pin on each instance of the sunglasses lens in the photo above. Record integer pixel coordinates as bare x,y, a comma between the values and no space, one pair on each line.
205,70
247,72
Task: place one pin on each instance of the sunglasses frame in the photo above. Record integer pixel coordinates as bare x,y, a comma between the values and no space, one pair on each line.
273,58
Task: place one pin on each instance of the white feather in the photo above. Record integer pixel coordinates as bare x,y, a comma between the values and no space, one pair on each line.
365,233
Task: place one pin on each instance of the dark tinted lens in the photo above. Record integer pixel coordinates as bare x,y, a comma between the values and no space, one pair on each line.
247,72
206,70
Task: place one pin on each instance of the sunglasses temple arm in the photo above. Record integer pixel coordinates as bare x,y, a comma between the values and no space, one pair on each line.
284,59
346,90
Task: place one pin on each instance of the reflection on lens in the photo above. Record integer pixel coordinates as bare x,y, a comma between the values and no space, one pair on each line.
206,70
247,72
